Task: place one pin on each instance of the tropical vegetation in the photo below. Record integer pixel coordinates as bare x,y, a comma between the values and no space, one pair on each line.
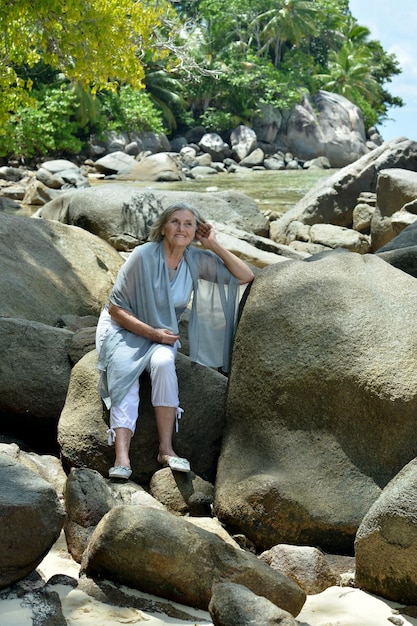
73,68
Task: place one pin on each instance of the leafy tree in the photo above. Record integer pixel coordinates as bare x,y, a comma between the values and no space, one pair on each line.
241,73
385,66
273,51
330,21
187,9
96,43
87,108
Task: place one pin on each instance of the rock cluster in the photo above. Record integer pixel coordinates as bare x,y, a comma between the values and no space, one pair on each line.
325,130
308,443
360,207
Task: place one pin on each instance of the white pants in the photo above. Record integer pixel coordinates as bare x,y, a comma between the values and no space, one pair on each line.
164,385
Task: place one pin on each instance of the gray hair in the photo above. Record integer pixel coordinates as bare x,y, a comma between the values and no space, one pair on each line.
155,233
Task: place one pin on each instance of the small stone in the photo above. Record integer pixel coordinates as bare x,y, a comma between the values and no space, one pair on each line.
396,620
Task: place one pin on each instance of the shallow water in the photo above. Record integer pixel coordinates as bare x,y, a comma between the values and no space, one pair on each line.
271,190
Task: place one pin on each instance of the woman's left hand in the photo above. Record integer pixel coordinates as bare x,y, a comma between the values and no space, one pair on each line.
206,235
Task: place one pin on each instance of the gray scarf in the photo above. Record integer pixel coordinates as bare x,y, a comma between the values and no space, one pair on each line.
142,287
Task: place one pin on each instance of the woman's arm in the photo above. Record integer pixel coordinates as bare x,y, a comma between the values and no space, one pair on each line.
207,237
130,322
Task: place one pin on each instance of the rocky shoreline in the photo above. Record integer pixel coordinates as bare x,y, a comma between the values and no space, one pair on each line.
306,450
307,140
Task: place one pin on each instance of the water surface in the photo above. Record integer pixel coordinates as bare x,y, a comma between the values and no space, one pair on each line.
271,190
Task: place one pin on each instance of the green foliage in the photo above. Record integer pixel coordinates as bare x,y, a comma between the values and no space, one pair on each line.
53,124
275,50
299,69
241,88
370,115
331,18
130,109
350,73
87,106
47,126
288,21
216,121
72,68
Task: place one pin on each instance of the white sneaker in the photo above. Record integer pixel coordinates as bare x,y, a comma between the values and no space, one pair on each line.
120,471
176,463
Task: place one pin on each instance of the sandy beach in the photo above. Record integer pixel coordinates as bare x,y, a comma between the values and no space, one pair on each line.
336,606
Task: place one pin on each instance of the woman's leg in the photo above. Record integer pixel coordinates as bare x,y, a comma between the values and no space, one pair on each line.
123,419
122,440
123,416
165,398
165,420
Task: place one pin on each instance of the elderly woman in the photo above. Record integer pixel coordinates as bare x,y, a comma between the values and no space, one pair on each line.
138,329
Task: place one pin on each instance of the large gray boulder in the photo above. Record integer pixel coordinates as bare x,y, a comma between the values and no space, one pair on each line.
323,126
404,258
322,400
83,423
122,214
87,499
326,124
132,143
386,542
215,146
333,200
395,188
50,270
156,167
163,554
399,249
35,371
267,123
253,249
31,520
243,141
326,237
48,467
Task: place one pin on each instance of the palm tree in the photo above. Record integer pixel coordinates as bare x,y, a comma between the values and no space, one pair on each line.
354,32
350,73
291,22
165,92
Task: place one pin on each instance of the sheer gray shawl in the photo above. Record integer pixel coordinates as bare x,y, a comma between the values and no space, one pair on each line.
142,287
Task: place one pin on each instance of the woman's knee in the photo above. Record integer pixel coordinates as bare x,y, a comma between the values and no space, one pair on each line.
163,359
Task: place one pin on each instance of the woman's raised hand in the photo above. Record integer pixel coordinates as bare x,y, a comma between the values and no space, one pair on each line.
206,235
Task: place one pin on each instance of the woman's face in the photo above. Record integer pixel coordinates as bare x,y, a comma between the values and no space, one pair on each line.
179,230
